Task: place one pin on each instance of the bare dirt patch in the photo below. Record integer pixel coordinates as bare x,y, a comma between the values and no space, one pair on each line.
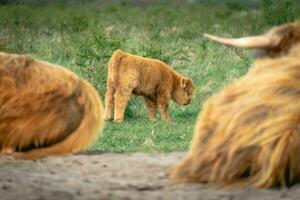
112,176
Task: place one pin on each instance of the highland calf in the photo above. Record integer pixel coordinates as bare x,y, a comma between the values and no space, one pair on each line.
154,80
249,133
45,109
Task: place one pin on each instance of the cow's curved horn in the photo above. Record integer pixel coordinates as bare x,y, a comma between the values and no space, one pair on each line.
245,42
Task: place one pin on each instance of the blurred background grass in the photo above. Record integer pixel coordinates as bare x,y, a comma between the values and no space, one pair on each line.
81,35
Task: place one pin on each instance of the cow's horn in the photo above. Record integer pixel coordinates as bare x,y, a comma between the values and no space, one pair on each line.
245,42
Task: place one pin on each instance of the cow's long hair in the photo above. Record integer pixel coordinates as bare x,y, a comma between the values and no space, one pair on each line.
45,109
249,133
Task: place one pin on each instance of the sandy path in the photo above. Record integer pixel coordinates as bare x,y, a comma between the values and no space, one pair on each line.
112,176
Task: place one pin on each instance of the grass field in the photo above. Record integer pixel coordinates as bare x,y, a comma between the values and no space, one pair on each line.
82,38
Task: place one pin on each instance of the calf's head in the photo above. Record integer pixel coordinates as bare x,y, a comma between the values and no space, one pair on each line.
183,91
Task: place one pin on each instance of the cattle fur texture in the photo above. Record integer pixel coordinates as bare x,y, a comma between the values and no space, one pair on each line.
45,109
154,80
248,135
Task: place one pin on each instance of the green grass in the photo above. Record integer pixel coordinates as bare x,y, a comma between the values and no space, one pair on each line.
82,38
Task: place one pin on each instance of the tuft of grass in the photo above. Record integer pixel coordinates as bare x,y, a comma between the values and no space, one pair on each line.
92,55
82,36
279,12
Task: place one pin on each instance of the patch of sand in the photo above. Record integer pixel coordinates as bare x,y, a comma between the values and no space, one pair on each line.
96,176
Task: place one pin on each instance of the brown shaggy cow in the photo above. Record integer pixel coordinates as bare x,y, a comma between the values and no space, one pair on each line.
249,133
154,80
45,109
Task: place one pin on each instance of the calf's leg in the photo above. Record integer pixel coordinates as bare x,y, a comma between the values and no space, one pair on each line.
163,104
121,98
109,100
152,107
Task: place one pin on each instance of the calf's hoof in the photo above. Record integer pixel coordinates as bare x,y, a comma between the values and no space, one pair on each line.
118,120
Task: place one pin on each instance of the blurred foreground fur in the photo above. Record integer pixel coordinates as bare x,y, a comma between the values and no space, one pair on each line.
249,133
45,109
154,80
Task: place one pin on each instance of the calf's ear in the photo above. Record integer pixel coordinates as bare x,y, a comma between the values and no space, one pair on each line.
183,82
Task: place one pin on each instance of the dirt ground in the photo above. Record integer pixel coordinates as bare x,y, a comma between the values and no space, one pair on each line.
112,176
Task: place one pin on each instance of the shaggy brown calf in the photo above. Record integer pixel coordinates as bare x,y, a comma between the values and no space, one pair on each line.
154,80
45,109
249,133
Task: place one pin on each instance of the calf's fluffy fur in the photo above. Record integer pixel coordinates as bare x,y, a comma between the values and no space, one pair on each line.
154,80
249,133
45,109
